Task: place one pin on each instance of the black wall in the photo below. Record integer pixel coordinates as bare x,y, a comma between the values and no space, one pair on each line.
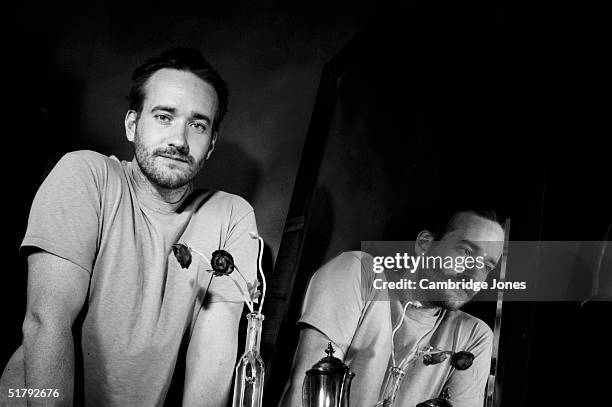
468,105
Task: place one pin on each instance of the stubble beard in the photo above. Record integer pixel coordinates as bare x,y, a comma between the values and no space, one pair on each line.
451,300
451,305
159,174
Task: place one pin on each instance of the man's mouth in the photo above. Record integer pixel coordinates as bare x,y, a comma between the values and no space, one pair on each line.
463,295
175,157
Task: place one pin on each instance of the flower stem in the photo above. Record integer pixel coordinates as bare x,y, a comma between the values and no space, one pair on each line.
201,255
246,298
248,302
241,275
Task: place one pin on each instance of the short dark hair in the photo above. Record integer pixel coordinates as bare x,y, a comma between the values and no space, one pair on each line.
450,223
182,59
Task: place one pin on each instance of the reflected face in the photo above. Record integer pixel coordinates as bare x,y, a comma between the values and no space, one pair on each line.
173,135
472,236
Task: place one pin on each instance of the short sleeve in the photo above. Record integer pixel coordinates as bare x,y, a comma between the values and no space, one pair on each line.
333,301
467,387
244,250
65,212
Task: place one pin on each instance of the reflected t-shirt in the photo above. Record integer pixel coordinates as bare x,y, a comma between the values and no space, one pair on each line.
342,303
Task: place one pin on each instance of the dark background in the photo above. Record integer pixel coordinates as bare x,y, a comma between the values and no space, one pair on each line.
69,67
464,105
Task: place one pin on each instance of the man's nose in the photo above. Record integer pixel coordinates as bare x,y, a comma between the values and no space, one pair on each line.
178,137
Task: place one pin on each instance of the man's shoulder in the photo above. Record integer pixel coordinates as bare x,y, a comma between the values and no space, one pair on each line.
469,323
86,161
232,203
222,206
346,266
353,256
350,260
87,157
78,169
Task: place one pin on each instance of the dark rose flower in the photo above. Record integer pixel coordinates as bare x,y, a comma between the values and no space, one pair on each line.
462,360
434,358
222,263
182,254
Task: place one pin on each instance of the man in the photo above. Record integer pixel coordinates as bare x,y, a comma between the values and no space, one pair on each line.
99,245
343,306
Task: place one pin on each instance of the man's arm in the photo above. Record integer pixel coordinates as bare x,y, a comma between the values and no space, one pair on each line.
311,348
467,387
330,313
211,355
57,289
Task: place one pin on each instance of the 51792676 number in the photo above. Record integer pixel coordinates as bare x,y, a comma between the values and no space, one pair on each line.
34,393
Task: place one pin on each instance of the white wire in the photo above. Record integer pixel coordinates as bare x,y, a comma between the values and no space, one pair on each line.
260,268
395,330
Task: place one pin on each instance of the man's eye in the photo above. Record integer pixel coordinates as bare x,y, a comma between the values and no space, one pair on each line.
466,251
162,117
199,127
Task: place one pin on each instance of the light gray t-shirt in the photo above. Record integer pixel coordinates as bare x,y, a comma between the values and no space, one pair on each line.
141,303
342,303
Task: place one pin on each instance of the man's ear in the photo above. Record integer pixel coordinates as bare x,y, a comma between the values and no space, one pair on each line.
423,242
131,117
213,141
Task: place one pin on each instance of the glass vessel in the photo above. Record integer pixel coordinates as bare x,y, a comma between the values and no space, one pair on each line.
392,385
250,370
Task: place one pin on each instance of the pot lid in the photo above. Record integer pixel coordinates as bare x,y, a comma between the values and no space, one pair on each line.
329,364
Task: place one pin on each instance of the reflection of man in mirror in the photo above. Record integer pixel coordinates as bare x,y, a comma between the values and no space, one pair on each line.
342,306
99,251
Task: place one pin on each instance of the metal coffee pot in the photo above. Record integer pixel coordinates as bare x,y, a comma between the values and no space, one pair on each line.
441,401
328,383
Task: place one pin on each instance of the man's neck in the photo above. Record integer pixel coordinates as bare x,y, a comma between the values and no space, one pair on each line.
414,296
169,195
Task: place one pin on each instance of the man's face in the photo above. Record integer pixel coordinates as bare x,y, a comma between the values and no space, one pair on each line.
172,134
472,236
